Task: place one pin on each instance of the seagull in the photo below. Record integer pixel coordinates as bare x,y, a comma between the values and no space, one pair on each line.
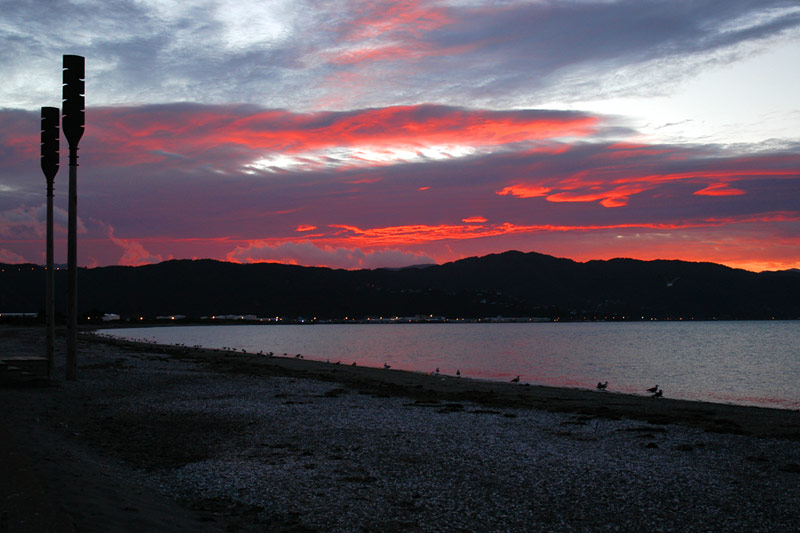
658,394
653,389
515,380
386,365
458,373
602,386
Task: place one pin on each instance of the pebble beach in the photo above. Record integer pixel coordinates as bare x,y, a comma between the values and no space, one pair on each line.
179,438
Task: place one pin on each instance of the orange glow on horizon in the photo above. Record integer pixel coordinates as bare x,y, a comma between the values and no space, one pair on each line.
416,234
248,170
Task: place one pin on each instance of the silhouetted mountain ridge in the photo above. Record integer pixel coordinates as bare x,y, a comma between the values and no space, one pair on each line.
510,284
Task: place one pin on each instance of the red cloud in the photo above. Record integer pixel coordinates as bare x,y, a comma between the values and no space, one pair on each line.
305,227
412,17
391,30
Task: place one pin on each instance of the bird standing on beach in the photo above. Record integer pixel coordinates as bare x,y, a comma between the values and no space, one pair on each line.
515,380
653,389
602,386
458,373
658,393
385,365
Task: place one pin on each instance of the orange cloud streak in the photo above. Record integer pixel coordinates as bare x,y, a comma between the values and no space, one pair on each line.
160,134
587,185
524,191
415,234
616,197
421,233
719,189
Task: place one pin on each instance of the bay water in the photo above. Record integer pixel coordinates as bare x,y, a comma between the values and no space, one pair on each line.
747,363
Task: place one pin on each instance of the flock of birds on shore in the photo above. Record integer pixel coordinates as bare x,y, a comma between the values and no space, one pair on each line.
655,391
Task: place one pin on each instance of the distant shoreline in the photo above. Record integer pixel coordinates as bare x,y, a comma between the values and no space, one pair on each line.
573,355
717,417
508,284
451,321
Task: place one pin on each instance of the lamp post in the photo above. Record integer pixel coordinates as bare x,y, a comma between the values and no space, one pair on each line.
50,135
73,123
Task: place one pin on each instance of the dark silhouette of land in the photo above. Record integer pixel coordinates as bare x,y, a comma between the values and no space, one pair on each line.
510,284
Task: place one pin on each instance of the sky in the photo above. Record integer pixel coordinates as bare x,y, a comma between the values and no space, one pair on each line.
365,134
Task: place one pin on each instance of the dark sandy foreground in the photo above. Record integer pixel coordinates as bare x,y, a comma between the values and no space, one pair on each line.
157,438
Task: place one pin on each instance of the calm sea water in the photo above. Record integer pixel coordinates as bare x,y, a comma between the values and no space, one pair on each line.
749,363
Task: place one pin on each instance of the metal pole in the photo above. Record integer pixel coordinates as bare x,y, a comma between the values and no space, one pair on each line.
72,268
73,124
49,287
50,163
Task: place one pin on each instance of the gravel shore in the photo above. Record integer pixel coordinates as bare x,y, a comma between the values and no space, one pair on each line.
183,439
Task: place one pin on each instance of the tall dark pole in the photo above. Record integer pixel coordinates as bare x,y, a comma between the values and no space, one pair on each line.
72,124
50,145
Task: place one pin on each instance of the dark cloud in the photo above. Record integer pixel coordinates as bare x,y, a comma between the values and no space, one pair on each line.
573,47
309,55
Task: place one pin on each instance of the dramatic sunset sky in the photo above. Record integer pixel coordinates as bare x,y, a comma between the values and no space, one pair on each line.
362,134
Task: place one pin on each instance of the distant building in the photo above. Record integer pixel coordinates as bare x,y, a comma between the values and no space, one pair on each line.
19,315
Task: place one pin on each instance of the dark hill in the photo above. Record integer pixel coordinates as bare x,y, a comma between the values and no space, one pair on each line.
511,284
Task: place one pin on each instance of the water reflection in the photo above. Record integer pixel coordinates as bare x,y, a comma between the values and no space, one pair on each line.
752,363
